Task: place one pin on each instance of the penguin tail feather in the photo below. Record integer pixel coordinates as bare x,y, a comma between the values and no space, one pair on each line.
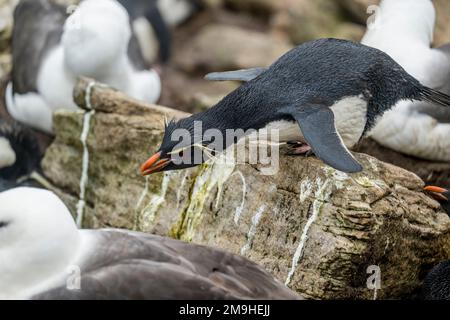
434,96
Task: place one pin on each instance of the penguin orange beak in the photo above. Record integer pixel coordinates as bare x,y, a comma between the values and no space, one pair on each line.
437,192
154,164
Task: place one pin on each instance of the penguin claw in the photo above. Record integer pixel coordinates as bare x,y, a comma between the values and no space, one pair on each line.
299,148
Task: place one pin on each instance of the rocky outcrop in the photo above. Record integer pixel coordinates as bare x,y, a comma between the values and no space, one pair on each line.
314,228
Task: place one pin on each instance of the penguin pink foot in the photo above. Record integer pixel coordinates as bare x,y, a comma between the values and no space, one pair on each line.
300,148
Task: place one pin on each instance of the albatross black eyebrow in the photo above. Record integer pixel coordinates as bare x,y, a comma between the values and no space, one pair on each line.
3,224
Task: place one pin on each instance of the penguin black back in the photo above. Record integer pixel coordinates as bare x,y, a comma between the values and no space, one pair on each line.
346,69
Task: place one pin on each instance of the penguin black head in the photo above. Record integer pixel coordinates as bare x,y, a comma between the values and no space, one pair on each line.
442,195
180,149
19,151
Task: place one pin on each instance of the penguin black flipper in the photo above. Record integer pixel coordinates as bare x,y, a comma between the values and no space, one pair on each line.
244,75
317,125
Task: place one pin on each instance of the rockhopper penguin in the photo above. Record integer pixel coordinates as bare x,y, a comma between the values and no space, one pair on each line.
327,93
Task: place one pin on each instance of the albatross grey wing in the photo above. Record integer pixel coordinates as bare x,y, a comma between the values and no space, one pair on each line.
442,115
239,75
446,50
38,26
318,128
162,31
140,280
128,265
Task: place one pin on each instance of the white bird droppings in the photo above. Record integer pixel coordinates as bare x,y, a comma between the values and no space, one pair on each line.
252,231
148,214
323,192
305,189
238,212
85,160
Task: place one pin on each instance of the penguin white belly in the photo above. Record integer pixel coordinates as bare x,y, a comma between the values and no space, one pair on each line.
350,116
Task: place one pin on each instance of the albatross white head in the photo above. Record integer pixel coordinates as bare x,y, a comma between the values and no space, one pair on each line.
403,20
95,43
96,37
38,240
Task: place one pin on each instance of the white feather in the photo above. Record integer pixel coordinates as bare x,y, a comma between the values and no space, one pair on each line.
30,109
94,44
38,243
404,30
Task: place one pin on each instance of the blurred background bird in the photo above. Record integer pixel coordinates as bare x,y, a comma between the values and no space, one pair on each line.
153,20
20,155
52,49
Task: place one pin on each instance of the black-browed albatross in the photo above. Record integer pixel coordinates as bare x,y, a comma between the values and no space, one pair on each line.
404,30
51,49
44,256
